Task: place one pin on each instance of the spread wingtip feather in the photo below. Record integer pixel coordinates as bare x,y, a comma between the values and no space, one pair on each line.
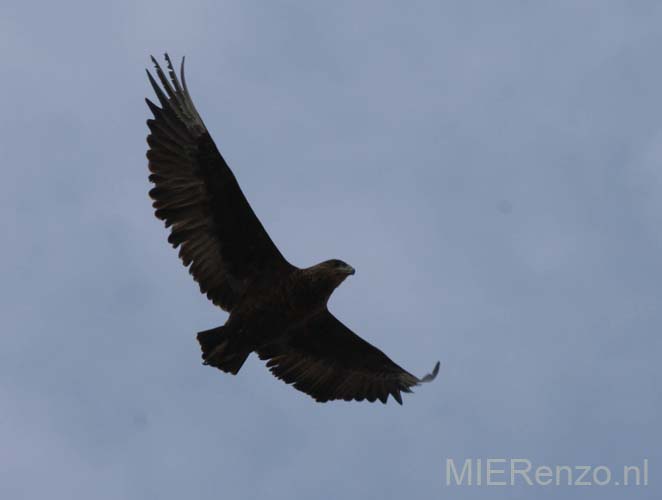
431,376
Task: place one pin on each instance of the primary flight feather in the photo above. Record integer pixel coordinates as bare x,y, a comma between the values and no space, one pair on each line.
277,310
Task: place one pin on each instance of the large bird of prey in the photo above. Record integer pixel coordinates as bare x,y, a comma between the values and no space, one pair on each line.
276,309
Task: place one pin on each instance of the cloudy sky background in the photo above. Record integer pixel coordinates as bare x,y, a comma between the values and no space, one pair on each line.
492,169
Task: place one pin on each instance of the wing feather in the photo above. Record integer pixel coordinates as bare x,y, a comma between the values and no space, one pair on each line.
197,196
326,360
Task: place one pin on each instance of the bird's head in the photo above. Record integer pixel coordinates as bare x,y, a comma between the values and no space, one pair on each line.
338,268
330,273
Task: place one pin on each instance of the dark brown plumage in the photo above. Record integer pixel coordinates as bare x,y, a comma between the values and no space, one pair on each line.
276,309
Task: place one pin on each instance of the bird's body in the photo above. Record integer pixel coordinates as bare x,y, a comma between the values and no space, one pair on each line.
273,311
276,309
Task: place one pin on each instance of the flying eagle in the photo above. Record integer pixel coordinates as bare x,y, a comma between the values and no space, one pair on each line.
276,309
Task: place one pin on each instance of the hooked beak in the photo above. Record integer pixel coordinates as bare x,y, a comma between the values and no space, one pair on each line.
349,270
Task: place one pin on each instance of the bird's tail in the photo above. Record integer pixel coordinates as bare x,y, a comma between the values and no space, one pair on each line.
223,350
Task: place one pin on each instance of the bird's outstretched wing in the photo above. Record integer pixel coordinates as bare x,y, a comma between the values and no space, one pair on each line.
199,198
326,360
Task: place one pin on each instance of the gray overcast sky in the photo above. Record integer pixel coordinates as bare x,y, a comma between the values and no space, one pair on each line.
492,169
